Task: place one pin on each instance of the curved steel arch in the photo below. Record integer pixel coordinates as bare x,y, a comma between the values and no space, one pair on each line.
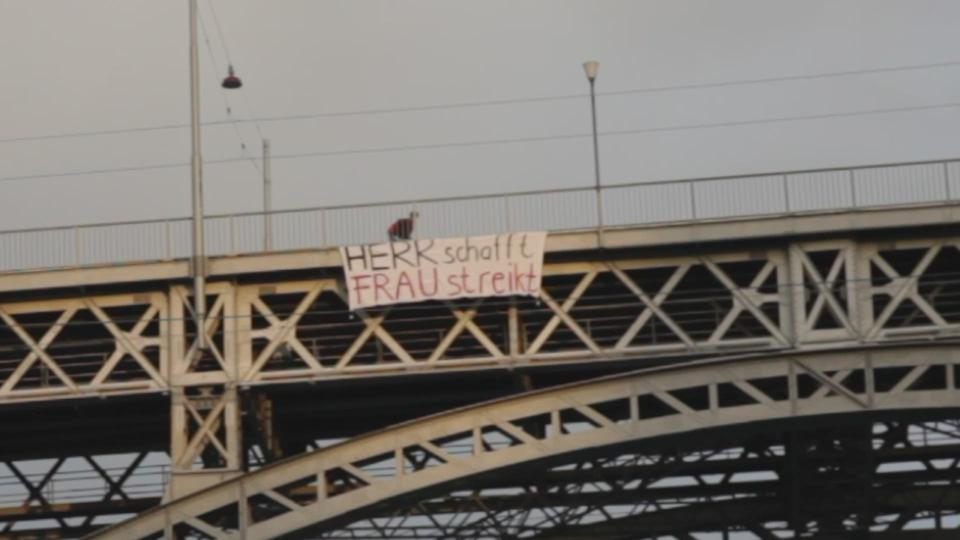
327,484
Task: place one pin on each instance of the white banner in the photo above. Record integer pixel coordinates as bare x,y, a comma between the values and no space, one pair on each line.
442,269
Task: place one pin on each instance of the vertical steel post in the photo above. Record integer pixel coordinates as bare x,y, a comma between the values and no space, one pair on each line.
853,188
946,180
596,160
199,270
167,241
76,246
506,213
786,194
267,198
693,199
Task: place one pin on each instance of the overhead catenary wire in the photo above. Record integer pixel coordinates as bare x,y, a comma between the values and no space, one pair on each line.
485,103
223,41
491,142
683,127
226,52
226,99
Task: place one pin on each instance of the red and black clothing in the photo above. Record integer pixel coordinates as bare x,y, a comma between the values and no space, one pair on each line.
401,229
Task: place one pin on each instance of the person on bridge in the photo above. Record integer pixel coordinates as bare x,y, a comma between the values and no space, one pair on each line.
402,229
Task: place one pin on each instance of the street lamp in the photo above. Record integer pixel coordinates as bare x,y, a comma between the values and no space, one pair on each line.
590,68
231,81
196,175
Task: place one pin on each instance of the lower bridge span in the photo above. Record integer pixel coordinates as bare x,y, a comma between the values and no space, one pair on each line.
422,479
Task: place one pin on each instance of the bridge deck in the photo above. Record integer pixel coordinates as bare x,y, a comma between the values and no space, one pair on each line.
728,230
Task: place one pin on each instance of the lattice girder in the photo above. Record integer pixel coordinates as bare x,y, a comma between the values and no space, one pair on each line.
218,363
562,421
808,293
71,493
566,323
84,346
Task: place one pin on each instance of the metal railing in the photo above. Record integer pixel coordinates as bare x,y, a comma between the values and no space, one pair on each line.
728,197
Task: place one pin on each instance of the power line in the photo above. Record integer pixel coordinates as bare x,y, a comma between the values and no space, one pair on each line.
613,133
786,78
774,120
97,171
490,142
658,89
78,134
487,103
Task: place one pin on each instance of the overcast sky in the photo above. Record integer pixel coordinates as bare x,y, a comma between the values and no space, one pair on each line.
98,65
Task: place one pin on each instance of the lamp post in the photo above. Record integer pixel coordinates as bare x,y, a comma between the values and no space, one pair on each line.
590,68
196,182
196,176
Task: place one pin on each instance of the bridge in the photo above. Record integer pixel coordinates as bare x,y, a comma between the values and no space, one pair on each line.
769,356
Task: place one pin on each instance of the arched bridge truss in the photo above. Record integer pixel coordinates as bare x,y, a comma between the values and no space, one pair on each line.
266,330
426,478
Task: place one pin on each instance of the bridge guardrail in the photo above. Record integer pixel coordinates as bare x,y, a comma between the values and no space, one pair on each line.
555,210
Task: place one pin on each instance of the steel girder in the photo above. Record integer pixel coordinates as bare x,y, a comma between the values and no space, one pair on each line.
70,496
83,346
835,480
353,477
794,296
801,295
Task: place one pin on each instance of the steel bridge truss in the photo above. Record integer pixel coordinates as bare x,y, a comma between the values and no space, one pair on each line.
808,294
420,475
880,477
68,497
794,296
